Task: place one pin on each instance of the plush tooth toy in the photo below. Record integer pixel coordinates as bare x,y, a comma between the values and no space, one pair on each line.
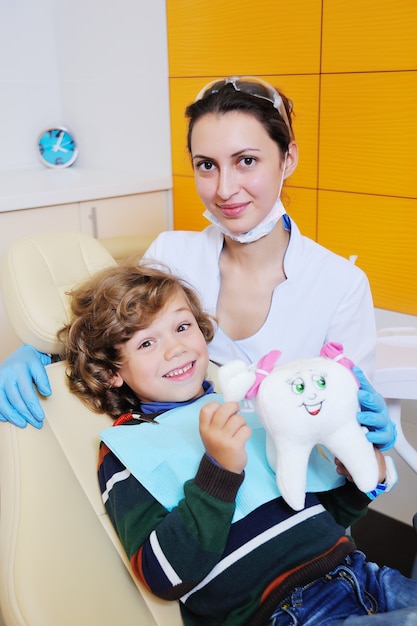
301,404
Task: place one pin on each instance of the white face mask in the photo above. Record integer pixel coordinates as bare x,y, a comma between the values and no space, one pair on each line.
264,227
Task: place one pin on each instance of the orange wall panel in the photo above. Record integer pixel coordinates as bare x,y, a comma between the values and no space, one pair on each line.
301,205
243,37
304,92
381,231
189,208
368,133
182,92
368,36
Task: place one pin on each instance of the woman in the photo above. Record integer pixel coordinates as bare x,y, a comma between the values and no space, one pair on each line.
268,286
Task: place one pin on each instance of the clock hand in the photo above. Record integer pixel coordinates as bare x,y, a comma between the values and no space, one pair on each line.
57,147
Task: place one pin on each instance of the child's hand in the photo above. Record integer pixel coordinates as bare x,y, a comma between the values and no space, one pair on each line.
341,469
224,434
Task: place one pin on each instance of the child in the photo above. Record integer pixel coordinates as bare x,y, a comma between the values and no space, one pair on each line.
137,348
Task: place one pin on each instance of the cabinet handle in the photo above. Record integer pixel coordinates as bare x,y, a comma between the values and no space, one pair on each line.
93,218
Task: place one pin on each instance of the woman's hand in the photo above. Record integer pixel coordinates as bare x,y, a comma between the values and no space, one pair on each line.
19,402
374,414
224,434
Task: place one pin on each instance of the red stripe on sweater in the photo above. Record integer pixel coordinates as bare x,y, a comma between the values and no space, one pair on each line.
136,563
278,581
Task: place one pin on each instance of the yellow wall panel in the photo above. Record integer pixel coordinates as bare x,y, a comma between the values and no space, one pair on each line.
182,92
301,205
382,233
303,90
373,35
188,206
368,133
243,37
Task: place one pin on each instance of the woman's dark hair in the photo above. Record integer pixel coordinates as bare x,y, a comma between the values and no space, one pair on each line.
227,99
106,311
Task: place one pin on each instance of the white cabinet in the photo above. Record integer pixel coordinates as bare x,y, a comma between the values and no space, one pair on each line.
138,214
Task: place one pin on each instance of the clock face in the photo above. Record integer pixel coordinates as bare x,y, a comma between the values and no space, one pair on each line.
57,148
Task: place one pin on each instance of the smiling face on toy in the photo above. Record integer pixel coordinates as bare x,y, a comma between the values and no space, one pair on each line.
312,394
309,390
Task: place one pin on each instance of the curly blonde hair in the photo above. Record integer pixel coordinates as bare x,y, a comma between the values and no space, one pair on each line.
106,311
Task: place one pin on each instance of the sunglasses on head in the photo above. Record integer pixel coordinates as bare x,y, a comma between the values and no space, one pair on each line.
252,86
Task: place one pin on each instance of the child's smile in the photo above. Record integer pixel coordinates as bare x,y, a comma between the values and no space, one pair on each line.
181,373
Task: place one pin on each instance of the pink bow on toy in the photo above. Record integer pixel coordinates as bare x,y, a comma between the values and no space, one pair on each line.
334,351
264,367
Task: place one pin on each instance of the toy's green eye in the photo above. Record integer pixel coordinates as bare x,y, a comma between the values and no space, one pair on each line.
298,385
319,381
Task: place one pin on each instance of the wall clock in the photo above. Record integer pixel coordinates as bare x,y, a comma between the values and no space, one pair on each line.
57,147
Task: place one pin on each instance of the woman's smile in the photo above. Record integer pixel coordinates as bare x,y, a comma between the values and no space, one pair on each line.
233,210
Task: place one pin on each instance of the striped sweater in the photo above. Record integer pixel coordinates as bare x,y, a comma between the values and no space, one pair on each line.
222,572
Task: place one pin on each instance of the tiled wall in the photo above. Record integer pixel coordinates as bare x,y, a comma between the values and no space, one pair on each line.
351,69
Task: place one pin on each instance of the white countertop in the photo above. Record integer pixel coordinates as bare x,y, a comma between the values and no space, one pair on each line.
28,189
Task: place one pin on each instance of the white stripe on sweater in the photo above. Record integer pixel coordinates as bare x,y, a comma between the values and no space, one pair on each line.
116,478
254,543
166,566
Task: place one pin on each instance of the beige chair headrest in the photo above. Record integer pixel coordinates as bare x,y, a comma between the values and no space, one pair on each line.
35,275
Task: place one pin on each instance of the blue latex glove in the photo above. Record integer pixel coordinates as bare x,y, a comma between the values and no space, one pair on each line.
374,414
19,402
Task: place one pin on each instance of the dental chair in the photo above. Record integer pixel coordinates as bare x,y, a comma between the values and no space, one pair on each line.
61,562
396,379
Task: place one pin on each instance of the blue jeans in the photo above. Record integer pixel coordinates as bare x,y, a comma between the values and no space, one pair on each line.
356,593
